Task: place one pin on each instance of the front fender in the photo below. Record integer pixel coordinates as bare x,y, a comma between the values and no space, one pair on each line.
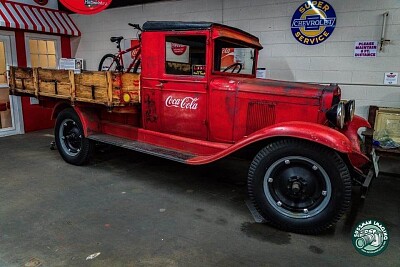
312,132
357,158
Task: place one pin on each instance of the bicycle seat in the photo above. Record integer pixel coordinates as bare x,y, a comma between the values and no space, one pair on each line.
116,39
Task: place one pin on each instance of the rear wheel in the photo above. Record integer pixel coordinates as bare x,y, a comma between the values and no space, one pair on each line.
72,145
109,62
299,186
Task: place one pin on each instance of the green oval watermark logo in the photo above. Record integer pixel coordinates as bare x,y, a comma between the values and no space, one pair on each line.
370,237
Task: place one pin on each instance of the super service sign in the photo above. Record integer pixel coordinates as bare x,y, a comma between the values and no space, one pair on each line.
313,22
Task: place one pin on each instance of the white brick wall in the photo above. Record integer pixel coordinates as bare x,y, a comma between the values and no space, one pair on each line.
283,56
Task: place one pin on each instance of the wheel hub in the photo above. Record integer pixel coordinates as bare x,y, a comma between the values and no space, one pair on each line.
297,187
71,137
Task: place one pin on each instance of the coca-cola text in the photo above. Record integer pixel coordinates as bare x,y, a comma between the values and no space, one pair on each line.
183,103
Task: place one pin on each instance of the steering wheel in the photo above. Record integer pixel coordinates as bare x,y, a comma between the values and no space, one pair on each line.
234,66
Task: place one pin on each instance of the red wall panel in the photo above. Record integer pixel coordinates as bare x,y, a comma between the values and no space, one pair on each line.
36,117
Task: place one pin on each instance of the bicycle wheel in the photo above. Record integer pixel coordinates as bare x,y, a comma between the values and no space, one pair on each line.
109,62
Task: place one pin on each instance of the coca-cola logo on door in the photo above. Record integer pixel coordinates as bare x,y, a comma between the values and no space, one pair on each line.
183,103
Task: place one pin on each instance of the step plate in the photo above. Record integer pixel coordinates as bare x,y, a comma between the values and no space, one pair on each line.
142,147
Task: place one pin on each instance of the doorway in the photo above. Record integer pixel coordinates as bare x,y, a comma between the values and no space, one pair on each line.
10,106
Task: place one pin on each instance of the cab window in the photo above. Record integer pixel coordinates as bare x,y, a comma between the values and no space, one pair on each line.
233,58
185,55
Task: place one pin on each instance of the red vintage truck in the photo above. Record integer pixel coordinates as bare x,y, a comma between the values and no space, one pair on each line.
197,100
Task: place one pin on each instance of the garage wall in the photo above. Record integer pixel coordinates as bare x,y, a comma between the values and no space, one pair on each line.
283,56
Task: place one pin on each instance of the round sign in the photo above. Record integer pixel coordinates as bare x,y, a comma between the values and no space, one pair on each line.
86,7
41,2
178,49
370,237
313,22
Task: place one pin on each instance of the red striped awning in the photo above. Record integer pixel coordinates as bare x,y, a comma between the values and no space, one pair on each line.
34,18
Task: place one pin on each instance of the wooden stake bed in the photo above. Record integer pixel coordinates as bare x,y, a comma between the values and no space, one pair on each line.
97,87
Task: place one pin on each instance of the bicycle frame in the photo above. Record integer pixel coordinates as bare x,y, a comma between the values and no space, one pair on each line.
119,56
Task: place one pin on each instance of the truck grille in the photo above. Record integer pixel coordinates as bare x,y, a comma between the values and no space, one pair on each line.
259,115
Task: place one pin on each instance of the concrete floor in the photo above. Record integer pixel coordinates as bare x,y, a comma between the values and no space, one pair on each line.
138,210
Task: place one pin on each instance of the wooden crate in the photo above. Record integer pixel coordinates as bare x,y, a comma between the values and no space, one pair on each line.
98,87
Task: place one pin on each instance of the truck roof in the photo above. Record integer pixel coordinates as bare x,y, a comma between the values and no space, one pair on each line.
187,26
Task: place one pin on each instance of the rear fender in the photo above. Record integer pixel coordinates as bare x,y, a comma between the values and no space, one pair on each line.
89,118
58,108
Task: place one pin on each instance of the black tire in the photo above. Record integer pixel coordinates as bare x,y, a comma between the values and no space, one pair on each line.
72,145
299,186
109,62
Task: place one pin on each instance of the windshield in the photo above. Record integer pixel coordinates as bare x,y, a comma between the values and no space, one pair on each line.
233,58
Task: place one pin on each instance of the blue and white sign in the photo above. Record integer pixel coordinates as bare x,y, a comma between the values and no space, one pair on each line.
313,22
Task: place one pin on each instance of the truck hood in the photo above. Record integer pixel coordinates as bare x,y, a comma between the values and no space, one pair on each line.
266,86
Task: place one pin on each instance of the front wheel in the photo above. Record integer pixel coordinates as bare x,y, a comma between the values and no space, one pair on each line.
72,145
299,186
109,62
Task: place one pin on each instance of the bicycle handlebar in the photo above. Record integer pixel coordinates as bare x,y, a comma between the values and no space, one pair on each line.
135,26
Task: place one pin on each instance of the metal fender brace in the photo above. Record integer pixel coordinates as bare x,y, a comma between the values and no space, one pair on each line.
363,165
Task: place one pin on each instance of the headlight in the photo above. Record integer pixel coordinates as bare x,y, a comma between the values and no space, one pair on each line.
350,108
336,115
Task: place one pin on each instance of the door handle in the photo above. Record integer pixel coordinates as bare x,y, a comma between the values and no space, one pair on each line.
161,84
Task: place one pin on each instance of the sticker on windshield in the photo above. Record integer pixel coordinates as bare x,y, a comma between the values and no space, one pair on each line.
199,70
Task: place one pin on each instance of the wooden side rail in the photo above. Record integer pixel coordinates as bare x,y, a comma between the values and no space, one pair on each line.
112,89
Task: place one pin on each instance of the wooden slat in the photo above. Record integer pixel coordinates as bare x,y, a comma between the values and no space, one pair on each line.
12,78
36,81
109,88
54,95
61,76
24,91
23,73
90,101
73,87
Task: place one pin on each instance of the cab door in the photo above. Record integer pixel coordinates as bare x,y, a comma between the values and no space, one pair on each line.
183,87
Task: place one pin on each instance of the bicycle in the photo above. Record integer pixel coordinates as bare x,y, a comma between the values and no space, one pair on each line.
115,62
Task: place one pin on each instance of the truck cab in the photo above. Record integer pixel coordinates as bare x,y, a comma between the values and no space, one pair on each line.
192,72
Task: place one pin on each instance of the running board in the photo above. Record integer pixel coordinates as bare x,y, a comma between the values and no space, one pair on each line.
158,151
